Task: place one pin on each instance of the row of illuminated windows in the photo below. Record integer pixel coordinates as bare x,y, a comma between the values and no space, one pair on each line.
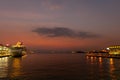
3,48
118,47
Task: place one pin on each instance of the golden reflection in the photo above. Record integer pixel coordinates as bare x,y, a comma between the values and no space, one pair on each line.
3,67
16,71
112,68
111,61
92,59
16,63
88,58
100,60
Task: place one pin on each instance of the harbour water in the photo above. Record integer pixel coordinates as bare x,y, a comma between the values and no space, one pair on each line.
55,66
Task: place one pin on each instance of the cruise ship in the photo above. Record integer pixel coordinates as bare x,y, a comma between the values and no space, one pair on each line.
16,50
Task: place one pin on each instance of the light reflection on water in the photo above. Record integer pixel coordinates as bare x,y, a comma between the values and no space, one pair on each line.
112,68
3,67
109,67
59,67
10,67
15,67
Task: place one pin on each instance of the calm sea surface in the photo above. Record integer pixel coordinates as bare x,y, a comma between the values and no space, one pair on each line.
59,67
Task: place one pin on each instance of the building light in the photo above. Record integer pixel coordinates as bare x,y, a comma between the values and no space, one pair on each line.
108,48
0,48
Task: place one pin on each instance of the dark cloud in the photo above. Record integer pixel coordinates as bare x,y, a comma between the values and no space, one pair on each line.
63,32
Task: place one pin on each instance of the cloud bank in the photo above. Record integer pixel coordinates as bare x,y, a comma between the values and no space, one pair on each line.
63,32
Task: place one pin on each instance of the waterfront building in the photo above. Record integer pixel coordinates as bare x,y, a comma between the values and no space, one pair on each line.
114,49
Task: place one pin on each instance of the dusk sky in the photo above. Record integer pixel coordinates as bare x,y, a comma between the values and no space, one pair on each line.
60,24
